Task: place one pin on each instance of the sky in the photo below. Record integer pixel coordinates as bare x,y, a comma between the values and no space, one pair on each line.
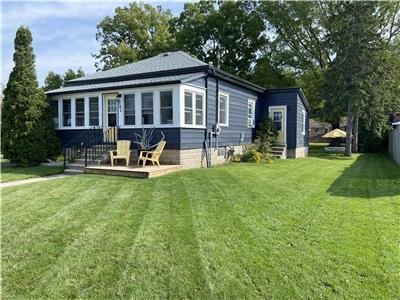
64,32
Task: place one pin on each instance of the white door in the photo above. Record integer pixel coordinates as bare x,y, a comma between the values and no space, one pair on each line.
278,115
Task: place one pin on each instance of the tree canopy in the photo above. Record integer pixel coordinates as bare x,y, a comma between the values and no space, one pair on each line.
54,81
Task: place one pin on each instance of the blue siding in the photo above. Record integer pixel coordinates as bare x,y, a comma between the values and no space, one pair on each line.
294,118
238,101
201,82
288,98
67,135
192,138
172,136
301,140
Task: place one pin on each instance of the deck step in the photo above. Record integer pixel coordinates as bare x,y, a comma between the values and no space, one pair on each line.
73,171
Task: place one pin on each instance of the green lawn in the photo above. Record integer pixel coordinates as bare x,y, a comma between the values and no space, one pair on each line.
17,173
321,227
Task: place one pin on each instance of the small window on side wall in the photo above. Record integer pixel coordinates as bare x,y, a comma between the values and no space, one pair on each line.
304,122
223,109
251,113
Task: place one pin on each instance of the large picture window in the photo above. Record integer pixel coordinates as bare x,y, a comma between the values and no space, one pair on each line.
166,107
54,110
188,108
66,112
147,108
223,106
80,112
129,109
93,111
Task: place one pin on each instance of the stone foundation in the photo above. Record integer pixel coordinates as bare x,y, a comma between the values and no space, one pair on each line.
297,152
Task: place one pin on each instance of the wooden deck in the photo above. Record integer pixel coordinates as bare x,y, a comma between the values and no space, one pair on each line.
133,171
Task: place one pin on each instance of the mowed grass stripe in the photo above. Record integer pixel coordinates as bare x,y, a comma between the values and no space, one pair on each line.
30,255
18,220
99,253
164,262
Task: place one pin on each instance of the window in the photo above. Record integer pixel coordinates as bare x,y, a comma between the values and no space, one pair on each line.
66,109
277,117
147,108
304,122
194,108
54,110
223,107
188,108
129,109
93,111
199,110
80,112
166,110
251,108
221,152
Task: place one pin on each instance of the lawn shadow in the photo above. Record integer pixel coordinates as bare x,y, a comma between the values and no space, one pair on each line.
369,176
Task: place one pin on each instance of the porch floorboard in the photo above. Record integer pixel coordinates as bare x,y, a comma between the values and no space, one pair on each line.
133,171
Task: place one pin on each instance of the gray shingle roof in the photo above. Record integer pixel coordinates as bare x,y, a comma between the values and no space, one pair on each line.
162,62
126,83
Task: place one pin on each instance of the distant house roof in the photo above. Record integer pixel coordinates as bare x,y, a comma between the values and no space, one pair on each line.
318,124
396,123
126,84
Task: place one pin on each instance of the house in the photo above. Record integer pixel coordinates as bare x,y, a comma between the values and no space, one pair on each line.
318,129
201,110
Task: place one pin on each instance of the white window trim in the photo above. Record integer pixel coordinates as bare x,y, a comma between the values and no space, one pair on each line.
84,113
122,113
227,109
253,117
304,122
194,90
284,107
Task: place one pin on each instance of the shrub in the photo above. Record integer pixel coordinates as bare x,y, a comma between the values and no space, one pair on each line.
250,154
266,134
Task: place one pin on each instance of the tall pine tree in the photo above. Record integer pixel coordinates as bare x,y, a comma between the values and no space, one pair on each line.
354,77
28,135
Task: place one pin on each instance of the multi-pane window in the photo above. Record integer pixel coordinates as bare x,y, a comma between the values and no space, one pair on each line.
251,113
66,109
199,109
129,109
166,110
223,109
194,108
54,110
80,112
277,118
93,111
147,108
188,107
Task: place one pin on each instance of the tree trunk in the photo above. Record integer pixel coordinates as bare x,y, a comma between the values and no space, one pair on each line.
355,135
349,129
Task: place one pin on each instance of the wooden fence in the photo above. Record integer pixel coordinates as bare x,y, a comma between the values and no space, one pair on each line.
394,144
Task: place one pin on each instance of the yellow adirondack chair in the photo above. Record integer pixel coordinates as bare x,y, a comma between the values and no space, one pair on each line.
122,152
152,156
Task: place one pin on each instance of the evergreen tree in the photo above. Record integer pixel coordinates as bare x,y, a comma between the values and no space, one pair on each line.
28,134
53,81
355,76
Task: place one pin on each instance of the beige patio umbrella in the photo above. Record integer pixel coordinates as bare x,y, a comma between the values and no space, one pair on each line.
336,133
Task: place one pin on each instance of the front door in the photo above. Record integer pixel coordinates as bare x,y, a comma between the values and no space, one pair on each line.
278,115
111,116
